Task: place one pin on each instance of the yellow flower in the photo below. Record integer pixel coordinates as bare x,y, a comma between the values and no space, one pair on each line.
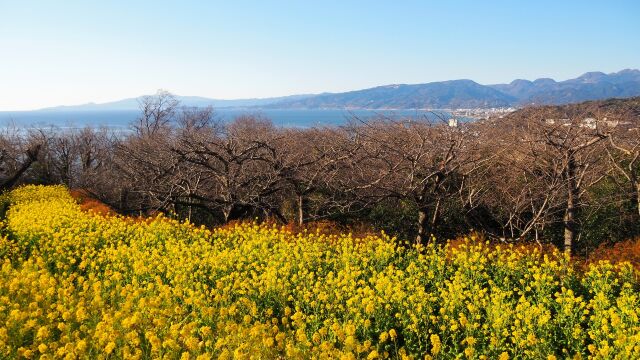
383,336
469,352
350,342
435,344
268,341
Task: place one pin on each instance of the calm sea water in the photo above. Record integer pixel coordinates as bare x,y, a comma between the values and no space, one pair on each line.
121,119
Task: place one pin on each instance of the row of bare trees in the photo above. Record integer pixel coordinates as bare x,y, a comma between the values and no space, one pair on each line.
540,174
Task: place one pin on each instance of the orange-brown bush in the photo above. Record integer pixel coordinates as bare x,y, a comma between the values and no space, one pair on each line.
89,203
619,252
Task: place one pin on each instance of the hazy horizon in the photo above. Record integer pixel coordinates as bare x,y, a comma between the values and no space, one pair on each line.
75,52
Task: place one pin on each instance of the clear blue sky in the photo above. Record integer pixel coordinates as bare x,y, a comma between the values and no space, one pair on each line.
71,52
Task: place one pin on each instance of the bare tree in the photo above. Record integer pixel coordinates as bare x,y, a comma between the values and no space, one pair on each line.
152,171
157,113
624,156
565,150
238,167
309,162
412,160
18,152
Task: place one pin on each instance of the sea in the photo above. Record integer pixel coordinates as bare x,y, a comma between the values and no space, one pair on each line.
122,120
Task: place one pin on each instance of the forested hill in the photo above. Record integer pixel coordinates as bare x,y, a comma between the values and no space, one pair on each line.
621,110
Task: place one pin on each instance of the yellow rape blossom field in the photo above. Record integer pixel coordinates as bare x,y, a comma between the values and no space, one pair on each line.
74,284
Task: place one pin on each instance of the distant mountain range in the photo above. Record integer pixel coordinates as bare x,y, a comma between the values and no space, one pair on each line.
435,95
198,101
590,86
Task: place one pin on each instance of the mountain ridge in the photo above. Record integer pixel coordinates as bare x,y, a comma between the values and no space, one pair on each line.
450,94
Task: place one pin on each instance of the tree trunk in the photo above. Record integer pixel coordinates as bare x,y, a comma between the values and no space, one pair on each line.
569,225
276,212
226,213
436,215
32,156
124,203
636,196
570,211
300,210
424,228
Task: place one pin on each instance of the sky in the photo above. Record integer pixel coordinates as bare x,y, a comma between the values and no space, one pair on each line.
73,52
